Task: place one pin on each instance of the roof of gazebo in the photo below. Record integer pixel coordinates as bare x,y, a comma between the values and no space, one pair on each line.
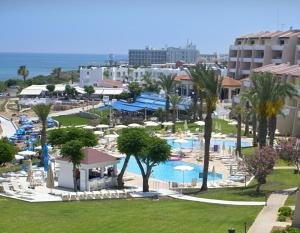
94,156
230,82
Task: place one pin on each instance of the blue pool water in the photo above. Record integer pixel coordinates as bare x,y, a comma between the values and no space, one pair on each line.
195,143
166,172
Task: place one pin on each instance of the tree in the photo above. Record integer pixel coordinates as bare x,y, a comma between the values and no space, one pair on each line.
58,137
134,89
72,151
238,114
281,90
261,164
42,111
50,88
131,141
251,98
150,85
154,152
89,90
56,72
175,100
167,83
23,71
7,152
160,114
196,73
211,86
270,92
70,91
106,74
288,149
2,86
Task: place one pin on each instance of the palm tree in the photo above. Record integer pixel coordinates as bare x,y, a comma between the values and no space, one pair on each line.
150,84
175,100
238,114
211,86
271,93
167,83
42,111
280,92
56,72
195,74
23,72
251,98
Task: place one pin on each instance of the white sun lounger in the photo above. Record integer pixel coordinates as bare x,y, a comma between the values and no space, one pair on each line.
7,190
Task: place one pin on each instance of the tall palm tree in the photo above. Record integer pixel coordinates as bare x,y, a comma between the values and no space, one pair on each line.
251,98
175,100
196,73
167,83
271,93
42,111
211,86
23,71
238,114
281,91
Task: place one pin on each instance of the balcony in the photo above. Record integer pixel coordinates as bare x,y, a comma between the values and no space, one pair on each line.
234,47
298,61
246,72
247,59
232,70
258,47
277,60
247,47
298,47
277,47
258,60
233,59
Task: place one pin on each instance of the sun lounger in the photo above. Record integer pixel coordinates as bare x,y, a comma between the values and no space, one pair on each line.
65,196
7,190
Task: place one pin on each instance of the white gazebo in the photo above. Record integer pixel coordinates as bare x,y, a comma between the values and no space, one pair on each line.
98,170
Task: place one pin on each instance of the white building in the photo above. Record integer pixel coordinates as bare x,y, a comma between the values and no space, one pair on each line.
188,54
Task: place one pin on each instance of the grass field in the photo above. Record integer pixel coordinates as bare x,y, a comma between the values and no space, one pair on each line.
72,120
278,180
291,201
123,216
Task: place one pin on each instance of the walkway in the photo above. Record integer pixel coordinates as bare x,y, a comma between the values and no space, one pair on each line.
74,110
220,202
267,218
7,127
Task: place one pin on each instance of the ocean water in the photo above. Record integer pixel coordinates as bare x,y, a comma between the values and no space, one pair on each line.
44,63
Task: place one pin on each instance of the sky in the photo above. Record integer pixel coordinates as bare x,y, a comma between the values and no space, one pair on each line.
114,26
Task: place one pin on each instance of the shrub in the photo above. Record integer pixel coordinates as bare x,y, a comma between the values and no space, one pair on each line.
291,229
281,218
285,211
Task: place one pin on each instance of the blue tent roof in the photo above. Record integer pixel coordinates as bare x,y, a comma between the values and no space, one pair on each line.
124,106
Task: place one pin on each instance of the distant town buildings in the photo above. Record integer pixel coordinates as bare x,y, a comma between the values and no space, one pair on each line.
213,58
149,56
254,50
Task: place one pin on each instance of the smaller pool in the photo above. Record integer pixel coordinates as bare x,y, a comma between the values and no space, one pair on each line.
166,171
195,143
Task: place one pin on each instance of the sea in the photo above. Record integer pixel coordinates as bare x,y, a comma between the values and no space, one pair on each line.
44,63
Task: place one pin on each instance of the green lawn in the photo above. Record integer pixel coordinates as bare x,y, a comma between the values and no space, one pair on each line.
291,200
123,216
72,120
278,180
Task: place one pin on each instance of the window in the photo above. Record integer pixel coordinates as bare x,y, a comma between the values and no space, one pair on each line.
88,73
282,42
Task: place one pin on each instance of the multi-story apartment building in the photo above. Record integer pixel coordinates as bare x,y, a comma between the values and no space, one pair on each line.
288,123
212,58
147,56
252,51
188,54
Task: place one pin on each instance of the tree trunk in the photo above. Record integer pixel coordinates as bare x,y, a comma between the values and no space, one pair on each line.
74,178
262,131
254,128
200,112
238,134
272,129
145,175
43,142
174,121
246,125
207,136
121,174
167,107
195,107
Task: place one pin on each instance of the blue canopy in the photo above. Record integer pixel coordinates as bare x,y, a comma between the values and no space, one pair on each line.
13,138
46,157
124,106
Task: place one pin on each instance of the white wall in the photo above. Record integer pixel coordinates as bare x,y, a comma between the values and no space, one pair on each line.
65,176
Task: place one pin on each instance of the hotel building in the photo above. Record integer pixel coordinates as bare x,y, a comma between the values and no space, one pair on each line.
255,50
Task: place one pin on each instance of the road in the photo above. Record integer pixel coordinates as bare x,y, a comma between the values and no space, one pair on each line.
7,127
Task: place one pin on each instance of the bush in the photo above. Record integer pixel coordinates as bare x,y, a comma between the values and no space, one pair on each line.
7,152
291,229
285,211
281,218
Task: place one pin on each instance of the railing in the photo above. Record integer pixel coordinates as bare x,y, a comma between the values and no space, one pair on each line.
100,183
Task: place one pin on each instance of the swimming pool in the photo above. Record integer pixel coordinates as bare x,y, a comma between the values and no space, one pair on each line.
166,171
196,144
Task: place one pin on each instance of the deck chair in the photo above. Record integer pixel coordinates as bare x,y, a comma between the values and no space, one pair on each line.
7,190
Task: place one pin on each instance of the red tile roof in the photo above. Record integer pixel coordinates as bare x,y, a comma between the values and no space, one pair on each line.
92,155
182,78
230,82
282,69
114,83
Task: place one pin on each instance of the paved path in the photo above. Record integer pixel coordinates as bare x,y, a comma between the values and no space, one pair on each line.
7,127
75,110
267,218
220,202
